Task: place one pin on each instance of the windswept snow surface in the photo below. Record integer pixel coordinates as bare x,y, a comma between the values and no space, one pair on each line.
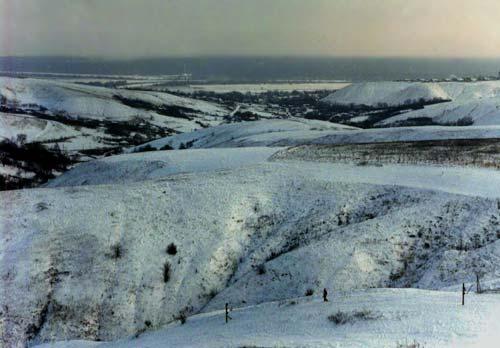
298,132
131,168
151,165
382,135
432,319
309,225
277,132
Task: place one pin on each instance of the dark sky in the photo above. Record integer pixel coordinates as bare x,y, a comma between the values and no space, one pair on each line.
152,28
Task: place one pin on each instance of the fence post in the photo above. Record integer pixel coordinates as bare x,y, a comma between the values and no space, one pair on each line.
463,294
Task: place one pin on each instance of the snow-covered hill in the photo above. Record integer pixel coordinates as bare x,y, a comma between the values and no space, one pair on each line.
387,93
403,134
293,132
390,317
90,262
52,132
106,116
457,102
85,121
244,134
477,111
129,168
76,100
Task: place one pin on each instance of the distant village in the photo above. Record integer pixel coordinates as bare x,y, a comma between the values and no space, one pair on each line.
454,78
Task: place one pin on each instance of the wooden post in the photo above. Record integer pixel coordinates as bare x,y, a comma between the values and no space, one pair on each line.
478,286
463,294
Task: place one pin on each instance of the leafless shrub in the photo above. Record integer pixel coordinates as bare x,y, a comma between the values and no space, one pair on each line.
171,249
166,272
414,344
342,318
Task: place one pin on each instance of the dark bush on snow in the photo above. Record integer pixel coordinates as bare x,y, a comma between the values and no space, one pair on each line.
183,314
415,344
309,292
341,318
261,269
145,148
166,147
166,272
171,249
31,158
116,251
182,317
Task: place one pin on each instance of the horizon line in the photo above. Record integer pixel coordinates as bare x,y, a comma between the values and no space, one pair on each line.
244,56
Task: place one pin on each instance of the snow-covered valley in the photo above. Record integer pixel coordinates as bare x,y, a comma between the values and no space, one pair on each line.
144,248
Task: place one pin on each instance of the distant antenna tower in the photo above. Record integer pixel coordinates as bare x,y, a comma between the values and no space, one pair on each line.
185,75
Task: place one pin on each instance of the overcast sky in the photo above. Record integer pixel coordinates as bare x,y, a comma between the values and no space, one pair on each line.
146,28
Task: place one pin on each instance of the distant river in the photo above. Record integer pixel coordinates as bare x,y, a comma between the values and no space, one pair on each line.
262,69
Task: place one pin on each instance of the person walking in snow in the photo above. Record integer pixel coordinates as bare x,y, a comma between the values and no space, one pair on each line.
227,313
325,295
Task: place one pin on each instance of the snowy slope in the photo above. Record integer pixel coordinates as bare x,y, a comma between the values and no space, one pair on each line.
388,93
150,165
478,103
90,118
91,102
478,111
401,316
409,134
35,129
297,131
125,169
309,225
258,133
46,131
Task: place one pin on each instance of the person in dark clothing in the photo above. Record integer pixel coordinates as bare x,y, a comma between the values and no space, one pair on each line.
227,312
325,295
